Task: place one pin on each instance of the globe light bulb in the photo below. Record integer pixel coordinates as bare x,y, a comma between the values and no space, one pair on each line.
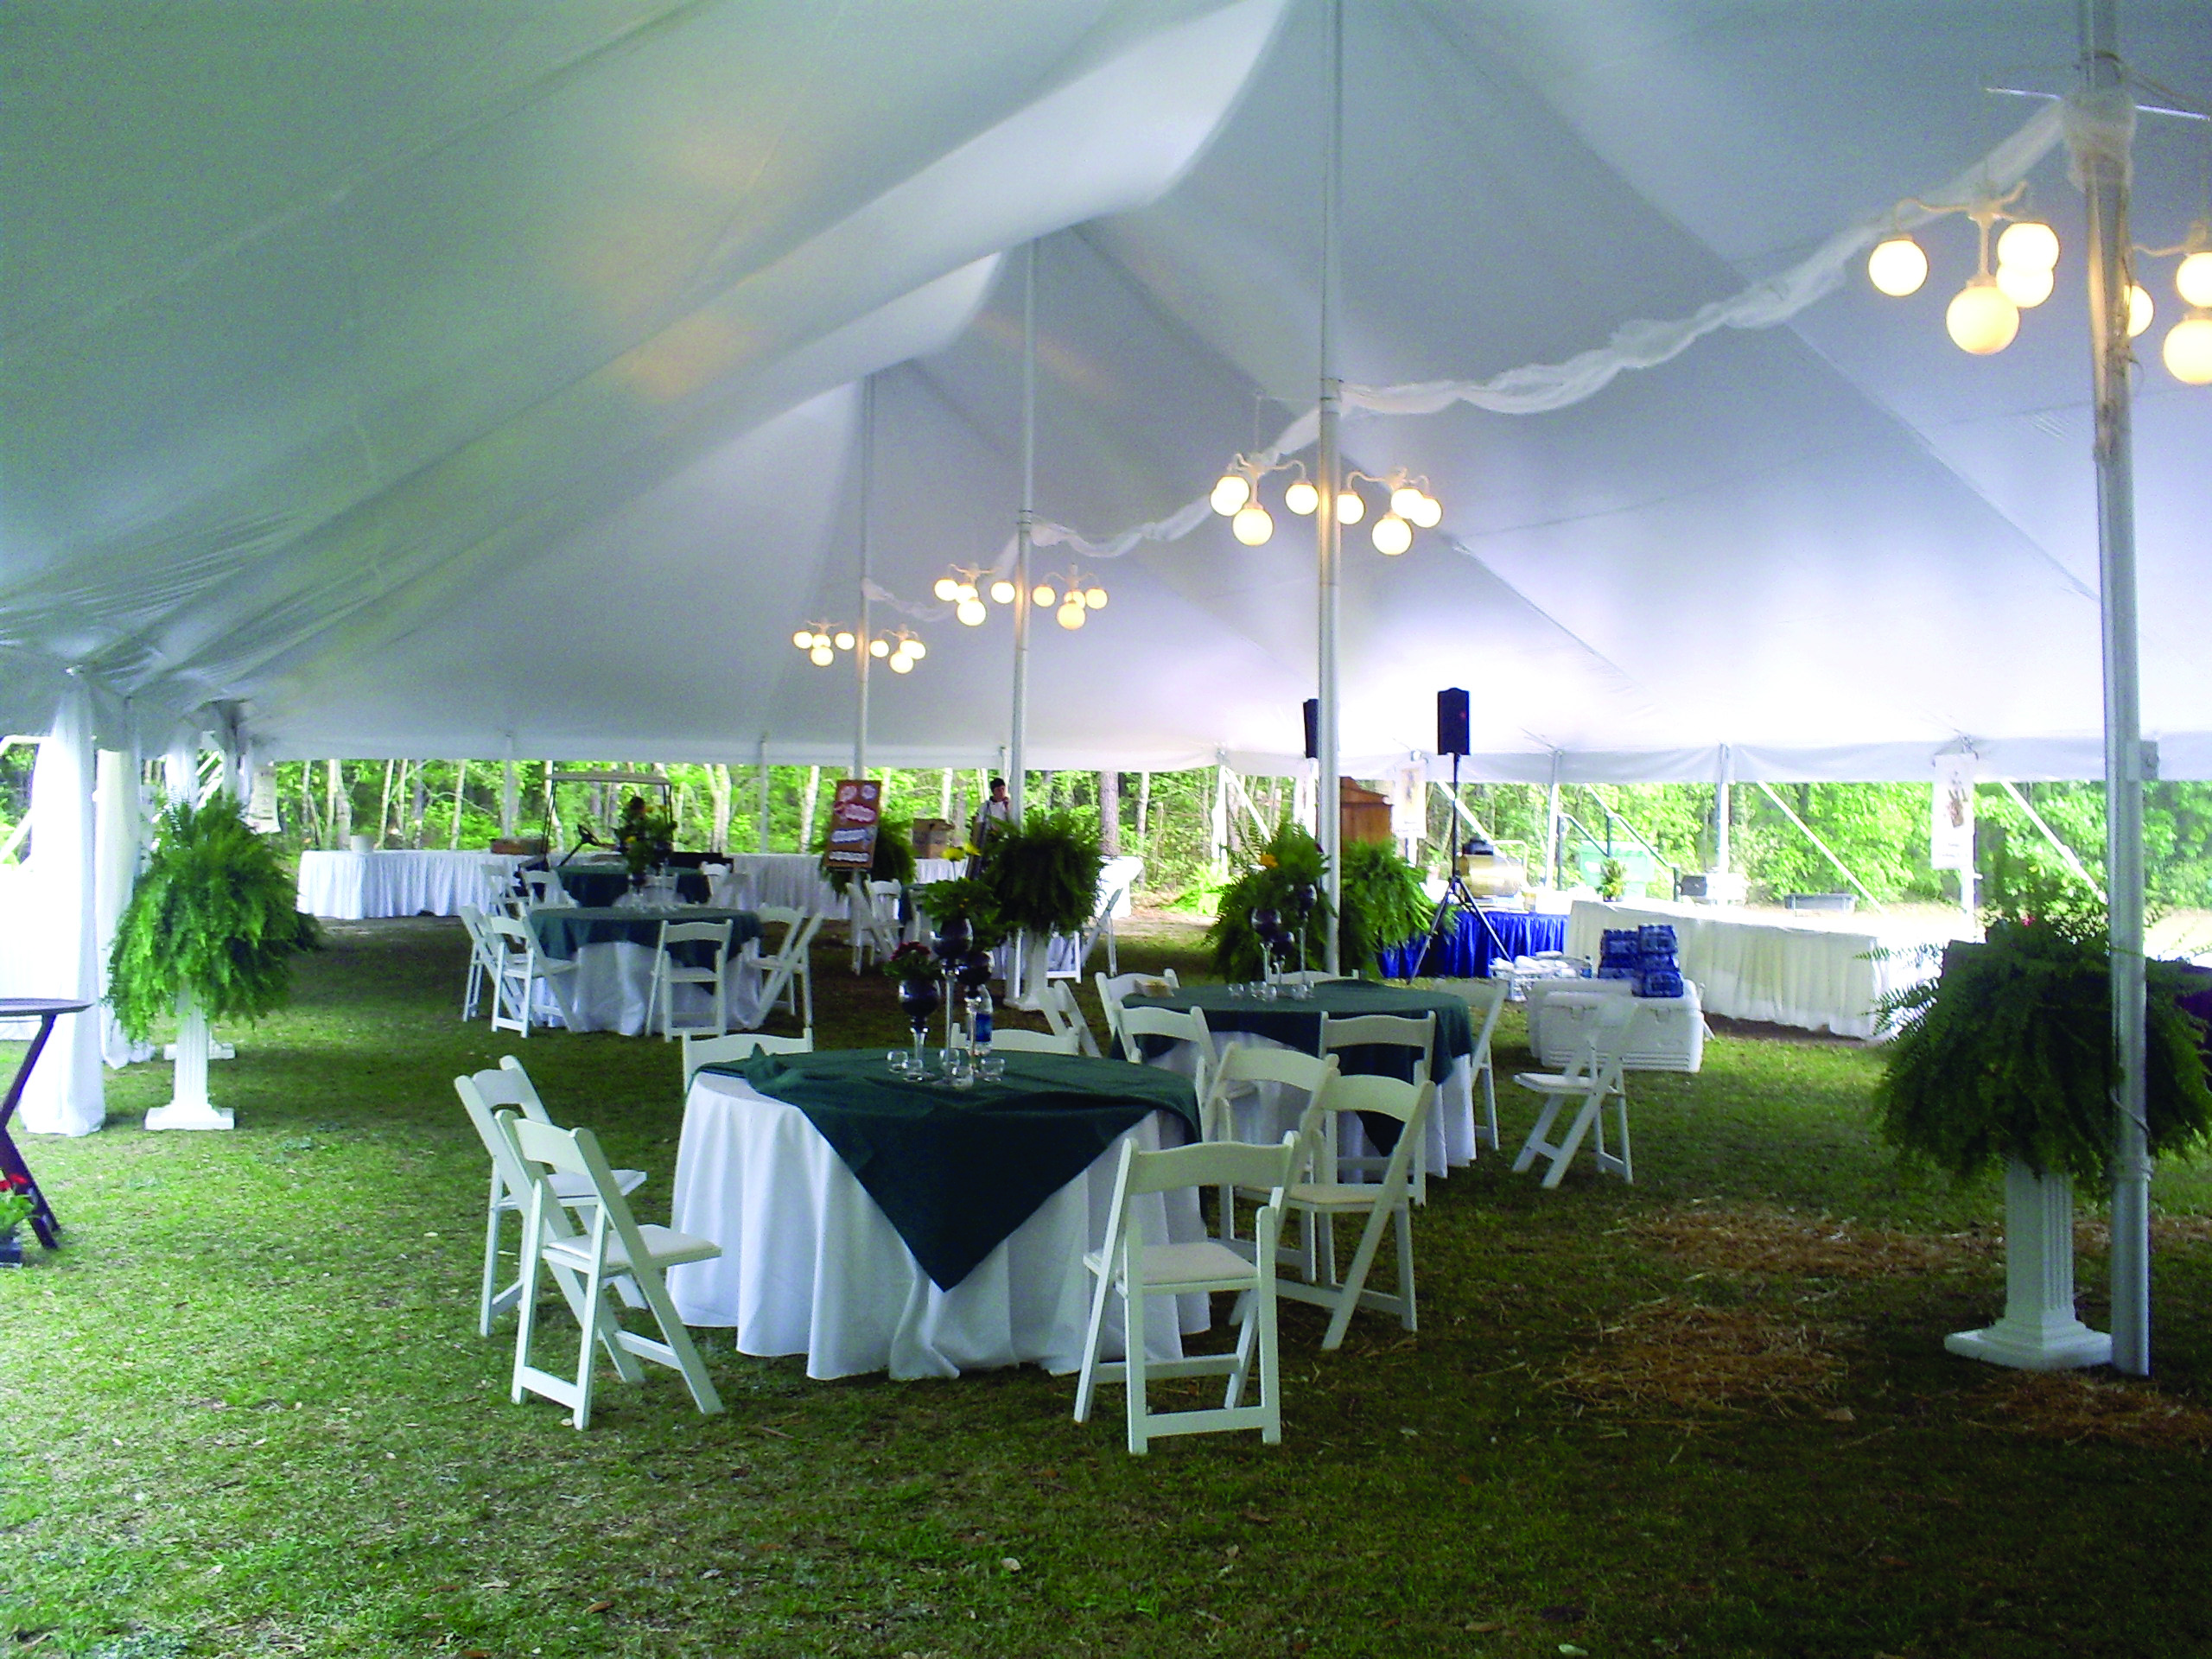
902,664
914,648
1095,597
2030,244
845,640
2187,350
946,590
822,655
803,639
971,612
1392,535
1231,492
1042,594
1980,318
1406,500
2026,286
2139,309
1001,592
1072,613
1252,526
2193,279
1349,508
821,642
1897,266
968,594
879,647
1301,498
1428,513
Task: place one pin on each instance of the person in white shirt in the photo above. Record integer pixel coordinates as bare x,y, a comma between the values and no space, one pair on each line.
994,814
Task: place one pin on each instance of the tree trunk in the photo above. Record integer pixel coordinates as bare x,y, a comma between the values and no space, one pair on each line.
1144,814
383,803
806,809
460,783
1109,813
718,787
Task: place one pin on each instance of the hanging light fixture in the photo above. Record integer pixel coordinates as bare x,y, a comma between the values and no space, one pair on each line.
1253,524
1897,266
900,651
1249,521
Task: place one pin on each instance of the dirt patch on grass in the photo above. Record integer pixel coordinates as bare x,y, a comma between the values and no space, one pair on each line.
1682,1356
1721,1238
2072,1405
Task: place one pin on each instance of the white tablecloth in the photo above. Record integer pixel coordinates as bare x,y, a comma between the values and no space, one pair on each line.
348,886
810,1265
790,881
1754,968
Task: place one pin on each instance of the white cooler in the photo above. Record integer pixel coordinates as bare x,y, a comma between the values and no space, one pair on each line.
1671,1037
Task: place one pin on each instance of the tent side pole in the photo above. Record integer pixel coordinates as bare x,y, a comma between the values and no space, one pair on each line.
2066,854
1329,802
1025,522
1723,813
1824,850
1551,828
868,552
2105,181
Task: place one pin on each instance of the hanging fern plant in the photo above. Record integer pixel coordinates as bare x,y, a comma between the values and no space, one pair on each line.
213,914
1042,874
1385,904
1272,877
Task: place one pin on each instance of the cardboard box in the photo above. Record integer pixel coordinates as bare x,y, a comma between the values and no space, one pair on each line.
932,837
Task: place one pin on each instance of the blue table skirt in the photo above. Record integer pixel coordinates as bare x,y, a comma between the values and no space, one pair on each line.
1474,940
563,931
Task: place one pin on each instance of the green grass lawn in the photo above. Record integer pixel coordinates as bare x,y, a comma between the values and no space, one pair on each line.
246,1411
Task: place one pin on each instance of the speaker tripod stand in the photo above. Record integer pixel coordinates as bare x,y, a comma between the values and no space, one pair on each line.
1456,896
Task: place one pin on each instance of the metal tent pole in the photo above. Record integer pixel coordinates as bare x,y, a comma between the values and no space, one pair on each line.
1024,521
1723,813
1329,806
2105,185
868,555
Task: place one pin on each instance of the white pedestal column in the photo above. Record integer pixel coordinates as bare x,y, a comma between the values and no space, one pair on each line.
1035,959
190,1109
2040,1331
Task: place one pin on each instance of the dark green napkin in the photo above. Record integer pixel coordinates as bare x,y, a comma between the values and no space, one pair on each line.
955,1170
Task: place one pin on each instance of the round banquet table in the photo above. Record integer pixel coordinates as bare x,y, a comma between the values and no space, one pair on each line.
813,1265
613,949
1290,1022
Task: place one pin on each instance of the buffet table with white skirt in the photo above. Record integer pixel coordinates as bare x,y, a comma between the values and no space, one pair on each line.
352,887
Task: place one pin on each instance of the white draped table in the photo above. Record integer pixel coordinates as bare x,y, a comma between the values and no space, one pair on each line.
351,887
810,1265
1751,967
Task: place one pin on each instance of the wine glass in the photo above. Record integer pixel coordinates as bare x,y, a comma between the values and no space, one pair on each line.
919,998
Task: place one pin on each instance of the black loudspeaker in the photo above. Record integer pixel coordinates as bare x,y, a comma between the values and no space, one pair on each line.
1452,720
1313,729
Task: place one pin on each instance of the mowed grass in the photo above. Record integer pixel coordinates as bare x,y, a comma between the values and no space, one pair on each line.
246,1411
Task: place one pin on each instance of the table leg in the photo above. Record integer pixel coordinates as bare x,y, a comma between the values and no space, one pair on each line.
11,1162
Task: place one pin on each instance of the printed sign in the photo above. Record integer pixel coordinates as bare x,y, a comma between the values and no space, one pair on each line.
1950,830
854,812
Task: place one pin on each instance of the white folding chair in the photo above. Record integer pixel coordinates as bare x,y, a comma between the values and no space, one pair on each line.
1593,1077
483,962
543,887
1485,1000
1181,1025
518,970
1312,976
1241,1071
1115,877
1114,988
1008,1039
786,977
1386,1204
1392,1030
670,971
1128,1268
616,1246
483,1094
875,925
1064,1015
738,1045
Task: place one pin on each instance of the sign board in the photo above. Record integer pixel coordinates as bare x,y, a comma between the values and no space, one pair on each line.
261,802
854,812
1950,830
1408,791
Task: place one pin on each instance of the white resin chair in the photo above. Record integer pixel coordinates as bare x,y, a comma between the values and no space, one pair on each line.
484,1094
669,970
1594,1079
1386,1204
1113,987
738,1045
874,921
1115,877
1312,976
1241,1073
1064,1015
483,962
786,977
1127,1267
517,969
614,1246
1384,1030
1014,1040
1485,1000
1181,1025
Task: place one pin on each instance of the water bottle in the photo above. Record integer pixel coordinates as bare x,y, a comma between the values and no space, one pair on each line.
979,1022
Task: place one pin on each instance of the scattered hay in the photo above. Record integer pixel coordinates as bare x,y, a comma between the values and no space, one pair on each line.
2073,1405
2093,1234
1758,1241
1686,1357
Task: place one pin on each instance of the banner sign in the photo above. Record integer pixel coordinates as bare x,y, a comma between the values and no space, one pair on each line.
1950,830
855,811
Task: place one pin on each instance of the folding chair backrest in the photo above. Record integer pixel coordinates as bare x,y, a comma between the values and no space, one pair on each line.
472,922
1313,1075
506,936
575,1152
1382,1030
715,933
1206,1163
518,1090
739,1045
1114,988
1064,1014
1389,1097
484,1095
1014,1040
1182,1026
1486,1000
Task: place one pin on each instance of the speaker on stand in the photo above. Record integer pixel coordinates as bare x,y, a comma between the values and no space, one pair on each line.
1451,733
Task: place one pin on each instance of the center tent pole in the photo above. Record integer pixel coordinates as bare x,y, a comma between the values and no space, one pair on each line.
1017,762
2104,167
1328,804
868,555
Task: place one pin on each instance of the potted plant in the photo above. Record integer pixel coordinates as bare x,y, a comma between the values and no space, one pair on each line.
1042,877
1279,893
1385,905
17,1207
209,933
2006,1059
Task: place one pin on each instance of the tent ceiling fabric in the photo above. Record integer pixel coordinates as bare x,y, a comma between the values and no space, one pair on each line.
482,379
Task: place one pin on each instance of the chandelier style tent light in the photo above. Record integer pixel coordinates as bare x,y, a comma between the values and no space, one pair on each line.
898,650
1236,497
1072,597
1984,316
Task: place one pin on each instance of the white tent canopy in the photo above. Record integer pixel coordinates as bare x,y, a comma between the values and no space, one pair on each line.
483,379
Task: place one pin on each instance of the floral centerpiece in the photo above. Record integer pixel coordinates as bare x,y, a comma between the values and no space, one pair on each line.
1278,903
17,1207
646,835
